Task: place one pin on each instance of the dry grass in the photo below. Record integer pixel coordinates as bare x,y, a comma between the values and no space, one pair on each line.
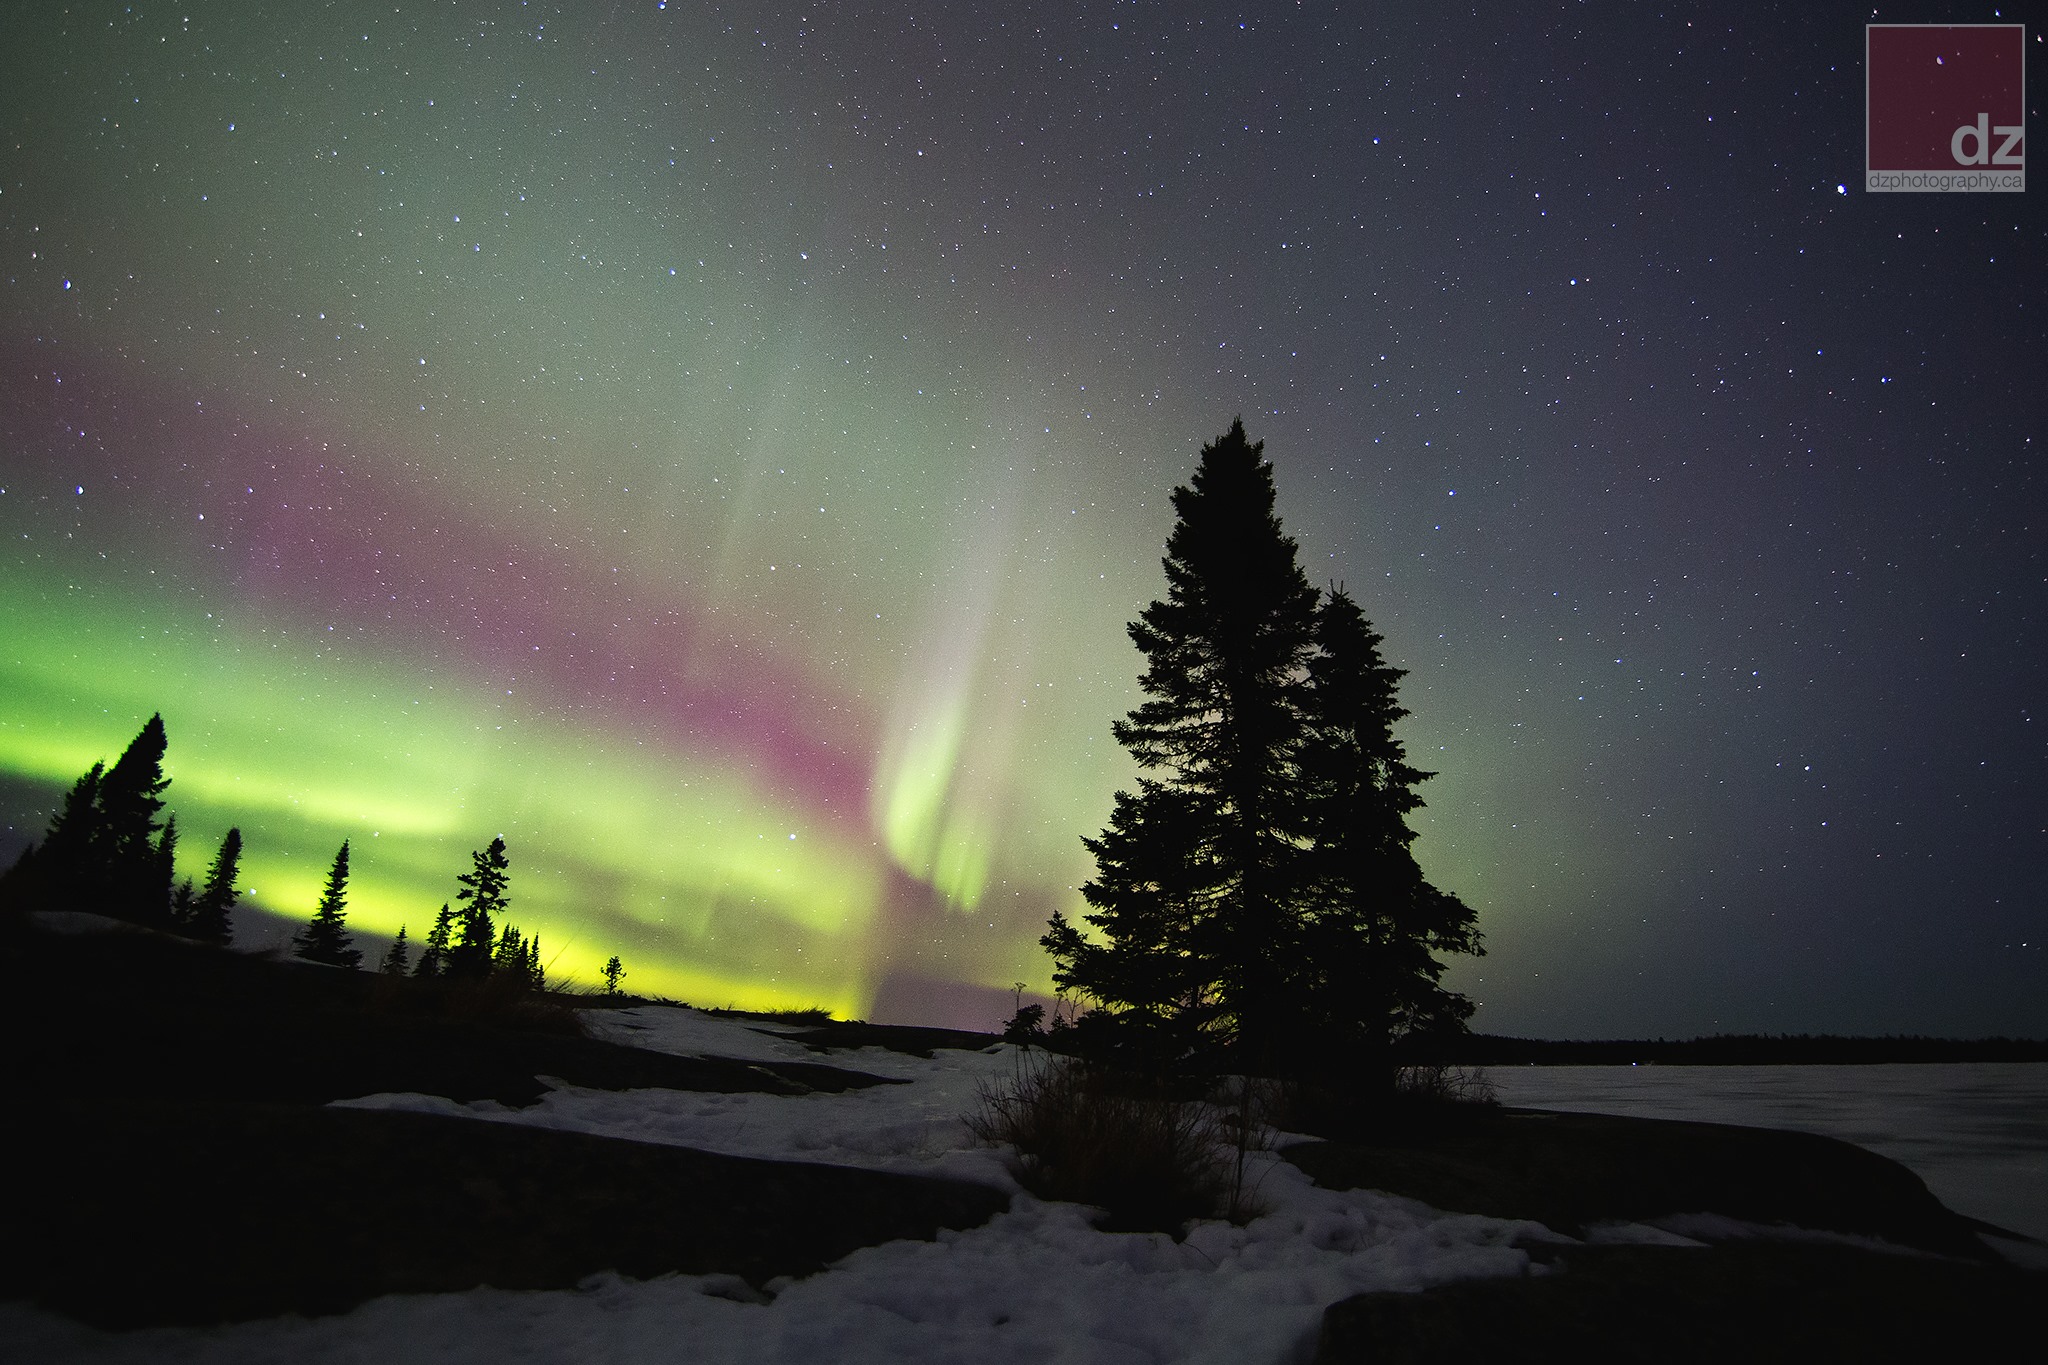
809,1014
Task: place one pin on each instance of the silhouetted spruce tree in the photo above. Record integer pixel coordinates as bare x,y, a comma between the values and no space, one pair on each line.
46,869
434,957
1259,888
105,850
1152,976
508,959
517,959
164,911
614,972
1196,892
126,872
211,918
483,897
326,938
51,875
21,885
394,958
1368,977
67,848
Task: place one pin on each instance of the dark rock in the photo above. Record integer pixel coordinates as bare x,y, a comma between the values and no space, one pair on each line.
147,1212
172,1019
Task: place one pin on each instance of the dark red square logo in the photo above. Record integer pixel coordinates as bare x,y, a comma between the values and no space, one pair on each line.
1945,107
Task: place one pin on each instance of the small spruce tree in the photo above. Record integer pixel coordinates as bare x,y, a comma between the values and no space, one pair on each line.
508,959
20,884
614,972
211,919
326,938
434,957
161,910
394,960
50,875
73,831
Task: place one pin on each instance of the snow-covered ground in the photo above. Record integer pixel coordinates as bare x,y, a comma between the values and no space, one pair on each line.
1036,1285
1976,1132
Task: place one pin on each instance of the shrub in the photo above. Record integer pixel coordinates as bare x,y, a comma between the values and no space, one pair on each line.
1026,1026
1086,1133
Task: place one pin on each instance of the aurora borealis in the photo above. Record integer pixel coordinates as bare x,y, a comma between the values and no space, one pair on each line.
717,447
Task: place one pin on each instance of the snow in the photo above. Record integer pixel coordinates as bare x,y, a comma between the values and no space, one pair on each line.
1036,1285
1973,1131
914,1127
695,1033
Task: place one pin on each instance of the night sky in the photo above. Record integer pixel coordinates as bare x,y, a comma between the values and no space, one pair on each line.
718,448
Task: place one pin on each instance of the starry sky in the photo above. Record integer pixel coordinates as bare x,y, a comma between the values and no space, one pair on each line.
718,446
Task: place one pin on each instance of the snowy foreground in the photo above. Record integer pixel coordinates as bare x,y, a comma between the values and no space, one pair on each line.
1035,1285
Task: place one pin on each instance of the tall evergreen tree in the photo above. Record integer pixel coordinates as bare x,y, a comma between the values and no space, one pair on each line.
1195,893
1369,976
212,916
326,937
1258,887
483,897
434,957
614,972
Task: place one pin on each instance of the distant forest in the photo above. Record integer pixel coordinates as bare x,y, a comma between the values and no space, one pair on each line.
106,852
1743,1049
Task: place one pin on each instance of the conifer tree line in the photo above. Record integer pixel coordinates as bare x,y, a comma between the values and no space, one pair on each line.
108,851
1256,897
466,944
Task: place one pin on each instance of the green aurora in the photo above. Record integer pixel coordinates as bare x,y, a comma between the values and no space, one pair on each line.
718,448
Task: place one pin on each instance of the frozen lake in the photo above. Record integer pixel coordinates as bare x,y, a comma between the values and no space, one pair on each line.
1976,1132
